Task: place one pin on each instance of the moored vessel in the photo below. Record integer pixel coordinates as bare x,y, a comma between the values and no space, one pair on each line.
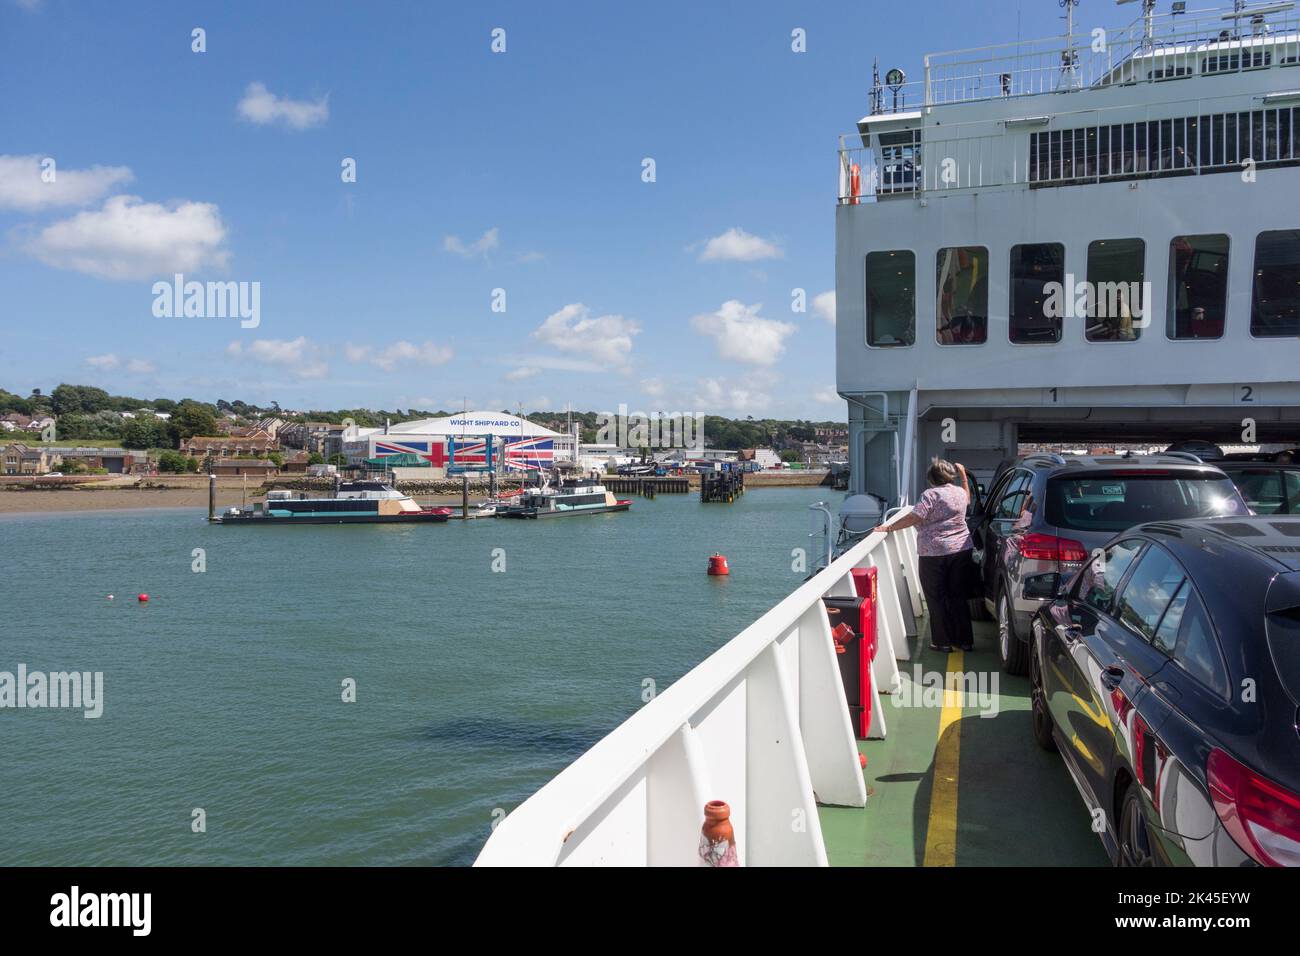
355,502
573,496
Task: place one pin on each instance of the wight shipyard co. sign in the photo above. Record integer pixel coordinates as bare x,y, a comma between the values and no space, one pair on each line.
468,423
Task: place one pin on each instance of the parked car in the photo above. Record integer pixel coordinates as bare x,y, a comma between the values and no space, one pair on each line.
1268,486
1203,449
1047,513
1168,676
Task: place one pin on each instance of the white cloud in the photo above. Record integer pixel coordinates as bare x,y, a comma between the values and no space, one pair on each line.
400,352
827,396
742,335
300,356
736,245
824,305
716,396
488,242
653,387
132,239
261,106
23,185
111,362
532,256
523,372
554,363
603,339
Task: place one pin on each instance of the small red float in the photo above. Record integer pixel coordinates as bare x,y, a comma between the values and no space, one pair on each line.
143,599
718,565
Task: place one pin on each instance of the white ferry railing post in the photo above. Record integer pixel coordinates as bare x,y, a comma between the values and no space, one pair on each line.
677,787
889,623
781,824
830,744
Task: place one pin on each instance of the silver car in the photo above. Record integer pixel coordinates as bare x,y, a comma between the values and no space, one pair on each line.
1046,515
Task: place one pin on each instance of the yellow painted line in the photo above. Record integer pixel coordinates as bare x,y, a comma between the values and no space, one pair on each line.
941,829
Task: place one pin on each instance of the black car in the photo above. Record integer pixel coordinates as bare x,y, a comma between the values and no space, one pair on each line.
1168,675
1269,486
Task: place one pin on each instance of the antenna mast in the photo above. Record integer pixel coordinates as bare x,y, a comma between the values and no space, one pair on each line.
1069,58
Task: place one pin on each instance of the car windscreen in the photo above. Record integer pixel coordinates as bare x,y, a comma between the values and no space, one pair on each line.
1112,502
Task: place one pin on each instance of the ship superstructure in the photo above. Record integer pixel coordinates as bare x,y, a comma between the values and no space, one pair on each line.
1089,238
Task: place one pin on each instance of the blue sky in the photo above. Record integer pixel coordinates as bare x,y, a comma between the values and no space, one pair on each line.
475,171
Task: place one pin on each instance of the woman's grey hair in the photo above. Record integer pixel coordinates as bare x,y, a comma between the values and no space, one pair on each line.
941,473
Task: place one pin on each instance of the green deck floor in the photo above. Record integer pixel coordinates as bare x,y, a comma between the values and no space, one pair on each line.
1016,804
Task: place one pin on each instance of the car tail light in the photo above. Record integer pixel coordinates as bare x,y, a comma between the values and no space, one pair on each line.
1048,547
1262,816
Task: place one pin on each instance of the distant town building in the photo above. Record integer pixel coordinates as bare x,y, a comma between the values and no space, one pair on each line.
228,446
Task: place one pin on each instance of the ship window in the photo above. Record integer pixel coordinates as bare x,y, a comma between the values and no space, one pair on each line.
1117,295
900,157
1037,271
1230,63
1275,292
891,298
1198,287
962,306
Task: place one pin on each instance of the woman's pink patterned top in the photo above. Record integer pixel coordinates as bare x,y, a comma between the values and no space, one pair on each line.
942,530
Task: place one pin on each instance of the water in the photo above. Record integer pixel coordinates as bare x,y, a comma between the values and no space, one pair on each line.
473,688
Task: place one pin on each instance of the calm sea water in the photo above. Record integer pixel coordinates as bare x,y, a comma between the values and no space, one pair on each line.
473,687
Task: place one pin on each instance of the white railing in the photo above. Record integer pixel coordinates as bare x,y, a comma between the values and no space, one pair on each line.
761,724
1129,144
1094,58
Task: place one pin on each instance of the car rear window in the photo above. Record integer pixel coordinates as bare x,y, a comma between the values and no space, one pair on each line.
1284,642
1113,502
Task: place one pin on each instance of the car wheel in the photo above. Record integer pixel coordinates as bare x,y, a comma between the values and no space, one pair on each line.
1134,842
1013,653
1039,714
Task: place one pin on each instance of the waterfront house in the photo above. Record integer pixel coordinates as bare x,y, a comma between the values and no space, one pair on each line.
115,461
253,467
19,459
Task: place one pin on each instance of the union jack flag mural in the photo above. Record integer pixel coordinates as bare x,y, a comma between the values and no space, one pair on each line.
469,454
434,452
529,454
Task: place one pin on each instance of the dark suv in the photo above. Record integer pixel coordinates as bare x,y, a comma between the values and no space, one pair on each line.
1168,676
1046,514
1270,487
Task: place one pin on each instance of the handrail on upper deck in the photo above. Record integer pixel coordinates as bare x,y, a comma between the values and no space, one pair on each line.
1045,64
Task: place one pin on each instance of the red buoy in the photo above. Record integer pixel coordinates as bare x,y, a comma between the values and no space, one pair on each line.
143,599
718,565
862,760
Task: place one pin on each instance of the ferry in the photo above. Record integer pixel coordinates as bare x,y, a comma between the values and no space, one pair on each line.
1159,162
571,496
355,502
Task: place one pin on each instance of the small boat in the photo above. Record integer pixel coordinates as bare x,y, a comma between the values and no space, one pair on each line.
574,496
355,502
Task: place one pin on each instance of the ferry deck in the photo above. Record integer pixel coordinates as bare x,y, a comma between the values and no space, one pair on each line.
949,787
